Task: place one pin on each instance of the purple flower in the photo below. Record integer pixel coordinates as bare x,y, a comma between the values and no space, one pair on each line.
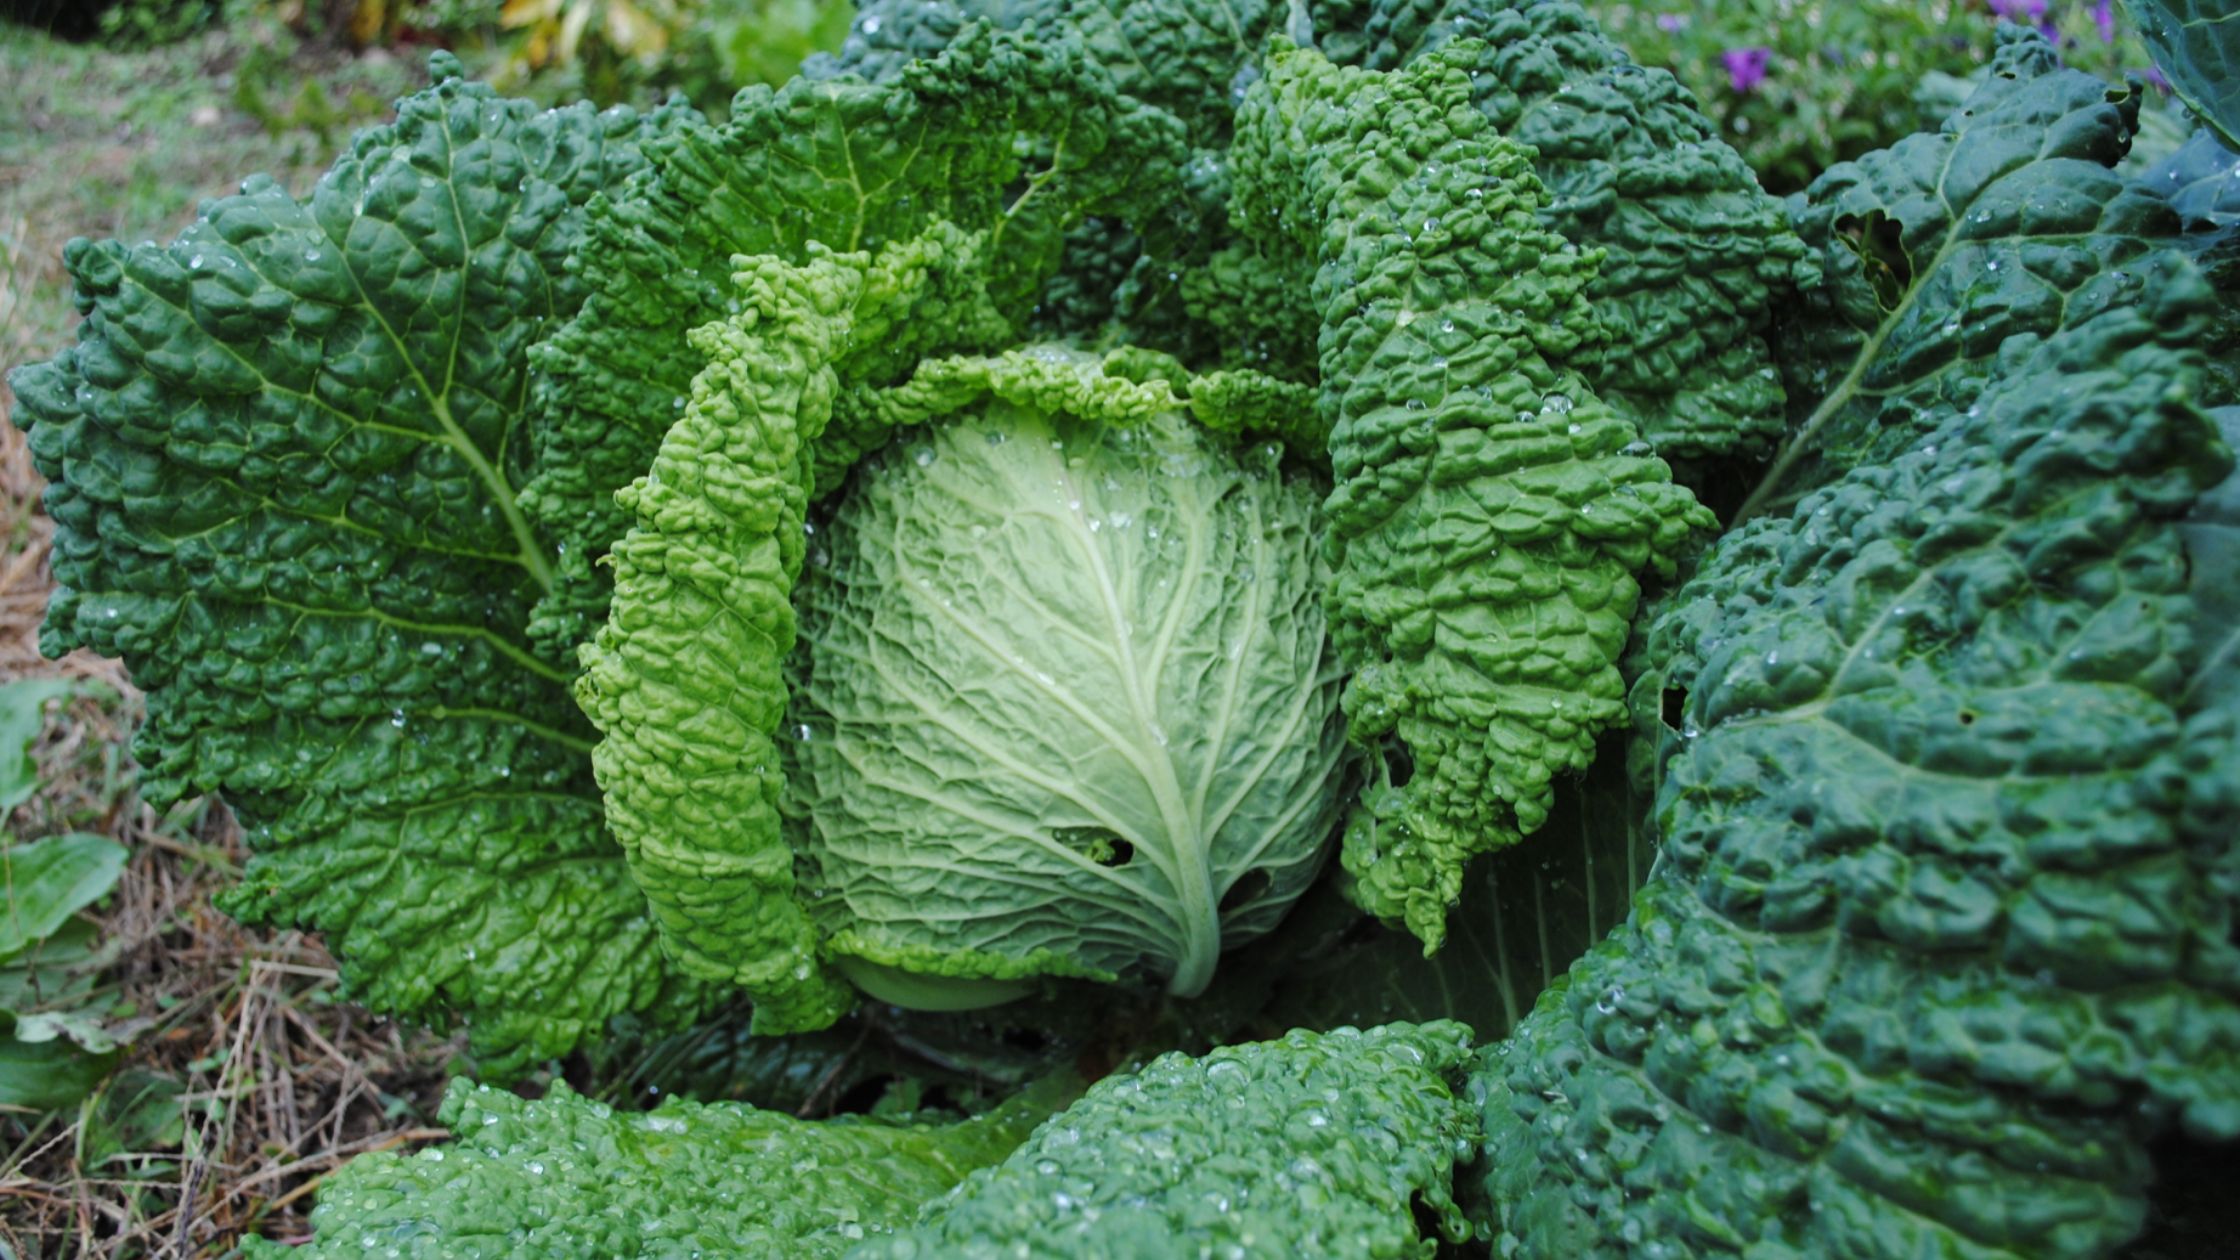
2020,10
2104,17
1746,67
1671,23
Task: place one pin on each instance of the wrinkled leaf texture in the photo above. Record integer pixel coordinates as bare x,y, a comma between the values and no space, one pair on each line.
283,458
1939,938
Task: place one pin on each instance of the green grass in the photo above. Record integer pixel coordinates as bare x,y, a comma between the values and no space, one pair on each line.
96,142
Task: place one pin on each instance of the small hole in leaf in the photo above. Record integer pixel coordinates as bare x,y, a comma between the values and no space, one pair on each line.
1674,709
1099,844
1399,767
1967,717
1250,887
1879,241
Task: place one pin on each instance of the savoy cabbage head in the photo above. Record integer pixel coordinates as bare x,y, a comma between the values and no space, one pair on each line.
1068,704
1146,539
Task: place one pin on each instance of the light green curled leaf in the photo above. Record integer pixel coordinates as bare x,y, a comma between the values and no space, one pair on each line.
565,1178
1319,1144
1001,135
686,678
1489,513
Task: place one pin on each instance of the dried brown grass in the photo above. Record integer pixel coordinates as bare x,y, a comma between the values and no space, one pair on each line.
279,1080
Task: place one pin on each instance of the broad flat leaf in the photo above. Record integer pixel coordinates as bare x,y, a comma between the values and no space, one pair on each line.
80,1028
284,455
56,969
22,714
2197,44
138,1111
46,881
44,1069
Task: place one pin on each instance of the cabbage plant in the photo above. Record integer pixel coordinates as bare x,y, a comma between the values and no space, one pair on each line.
1767,666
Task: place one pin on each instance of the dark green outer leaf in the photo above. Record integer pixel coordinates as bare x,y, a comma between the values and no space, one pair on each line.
283,455
1693,250
2201,181
2198,182
2197,43
2212,537
1182,56
1937,943
1941,250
